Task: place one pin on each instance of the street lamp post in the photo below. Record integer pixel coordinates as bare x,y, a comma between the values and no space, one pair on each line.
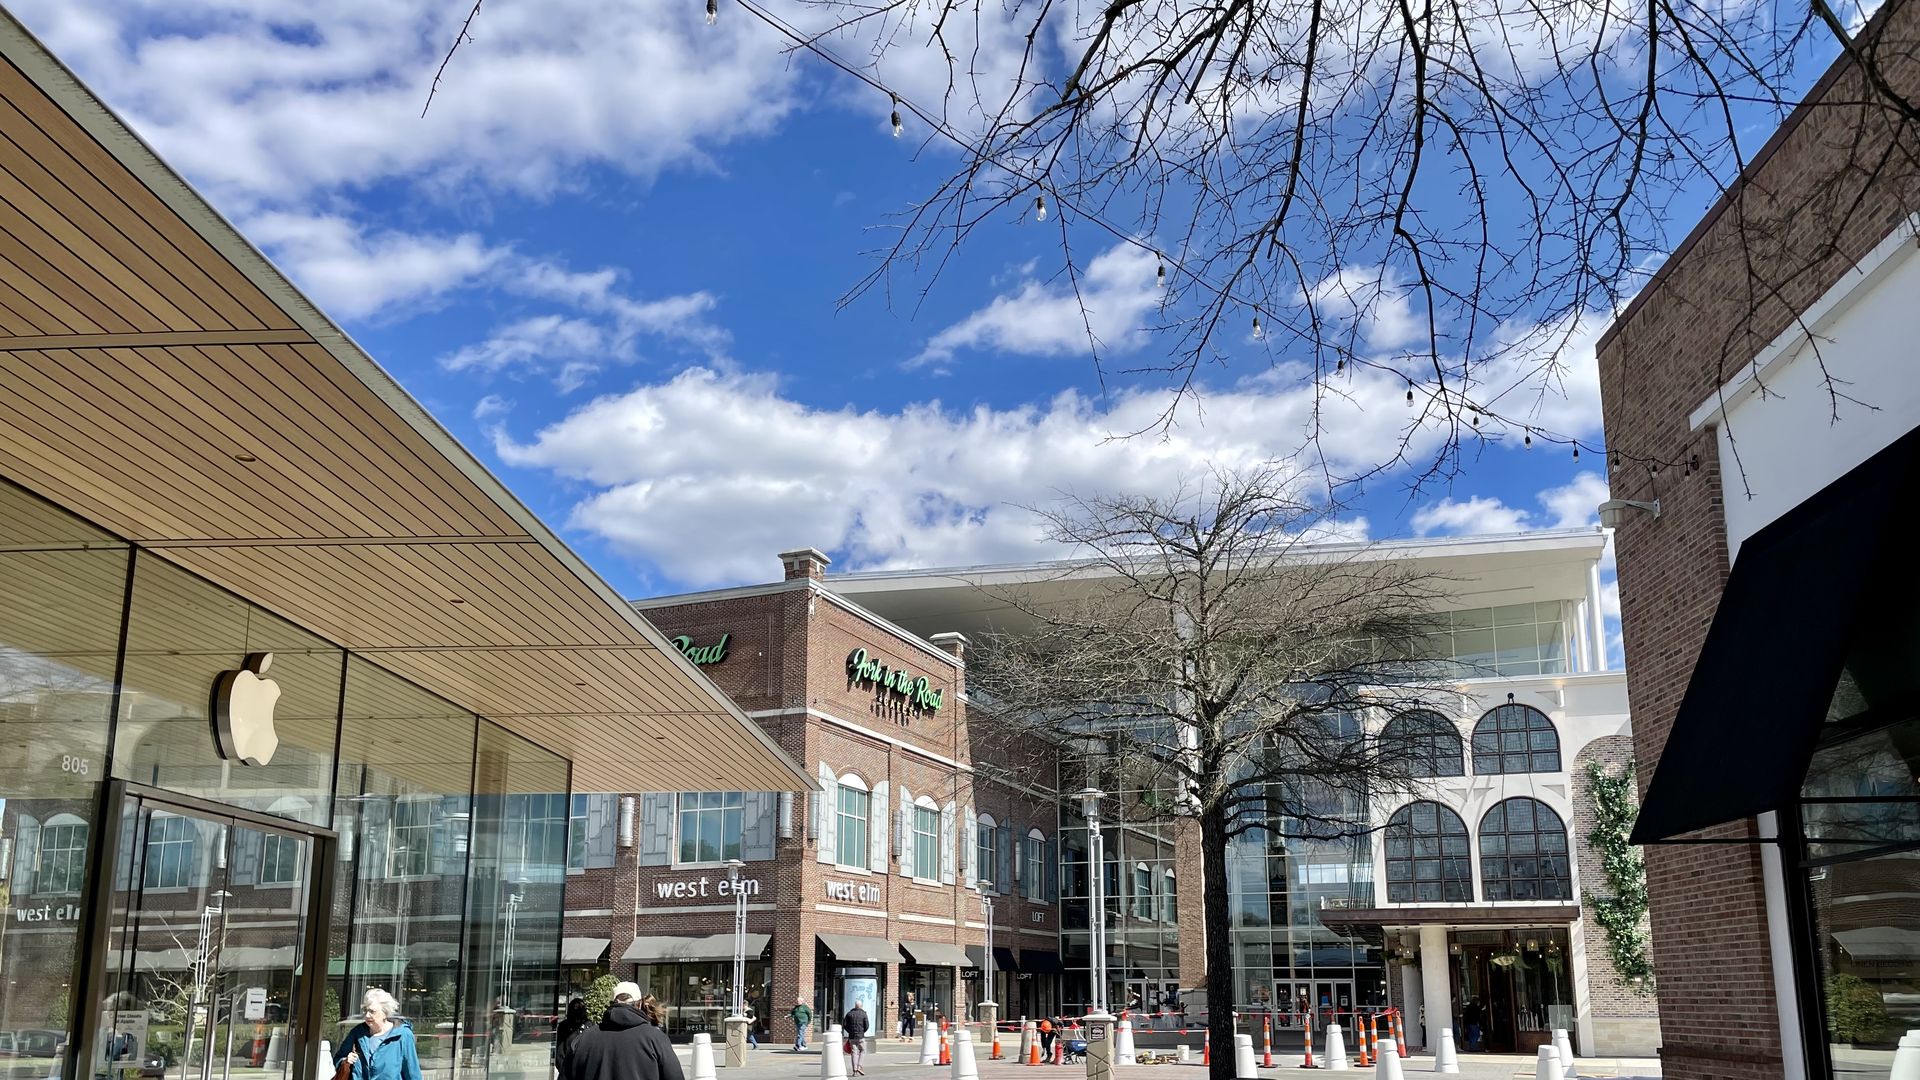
1100,1033
989,1008
737,1022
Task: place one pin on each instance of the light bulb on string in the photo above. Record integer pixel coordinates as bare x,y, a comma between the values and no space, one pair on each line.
713,12
1409,393
1341,364
1258,333
1528,441
1039,208
1160,274
897,128
1576,451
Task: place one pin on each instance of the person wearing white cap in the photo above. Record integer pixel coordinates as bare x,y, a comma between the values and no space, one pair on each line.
628,1045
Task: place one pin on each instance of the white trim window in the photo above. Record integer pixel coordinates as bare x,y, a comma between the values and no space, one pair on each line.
280,859
1033,868
850,826
410,854
171,841
926,840
983,849
1142,891
710,826
63,855
577,834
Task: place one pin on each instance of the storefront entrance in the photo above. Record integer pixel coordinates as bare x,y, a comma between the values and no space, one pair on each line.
206,938
1317,1001
1510,989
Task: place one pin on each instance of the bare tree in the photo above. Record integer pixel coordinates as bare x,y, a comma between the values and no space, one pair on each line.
1214,661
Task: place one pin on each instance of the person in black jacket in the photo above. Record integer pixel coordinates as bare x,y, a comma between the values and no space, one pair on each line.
854,1027
626,1046
568,1034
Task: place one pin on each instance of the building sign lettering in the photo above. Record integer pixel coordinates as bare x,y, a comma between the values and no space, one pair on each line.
48,913
701,888
913,692
702,655
853,893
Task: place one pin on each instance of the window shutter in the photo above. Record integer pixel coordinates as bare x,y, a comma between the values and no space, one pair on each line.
970,847
26,843
877,814
1003,859
908,838
656,828
757,825
948,826
825,805
601,810
249,847
1052,855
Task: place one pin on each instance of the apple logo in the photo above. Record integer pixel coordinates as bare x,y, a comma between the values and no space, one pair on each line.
243,712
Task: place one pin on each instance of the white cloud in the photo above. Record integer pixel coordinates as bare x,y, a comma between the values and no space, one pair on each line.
1570,506
1369,305
491,407
353,274
1477,515
270,102
1115,292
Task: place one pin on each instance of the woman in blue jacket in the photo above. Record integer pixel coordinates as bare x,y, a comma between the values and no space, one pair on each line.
380,1046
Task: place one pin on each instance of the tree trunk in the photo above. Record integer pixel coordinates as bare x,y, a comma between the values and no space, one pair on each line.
1218,920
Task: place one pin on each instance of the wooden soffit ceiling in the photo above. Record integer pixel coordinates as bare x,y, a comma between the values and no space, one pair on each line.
159,377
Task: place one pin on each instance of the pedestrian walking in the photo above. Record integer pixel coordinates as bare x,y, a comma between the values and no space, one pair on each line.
629,1044
567,1036
381,1046
854,1027
802,1020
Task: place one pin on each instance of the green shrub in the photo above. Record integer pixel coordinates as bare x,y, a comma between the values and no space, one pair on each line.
599,997
1855,1013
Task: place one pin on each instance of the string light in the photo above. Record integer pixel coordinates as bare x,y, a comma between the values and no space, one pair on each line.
1529,439
1409,393
1160,274
1576,451
1341,364
1039,208
1258,333
713,12
897,128
1616,461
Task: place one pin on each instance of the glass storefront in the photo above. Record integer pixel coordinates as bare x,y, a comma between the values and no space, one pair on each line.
162,906
1510,988
698,996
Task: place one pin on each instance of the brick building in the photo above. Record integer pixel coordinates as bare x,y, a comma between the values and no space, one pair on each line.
945,799
1762,392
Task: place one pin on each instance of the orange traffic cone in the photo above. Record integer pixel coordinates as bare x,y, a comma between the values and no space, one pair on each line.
1399,1033
1360,1057
946,1054
996,1043
1206,1048
1033,1052
1266,1058
1373,1038
1308,1026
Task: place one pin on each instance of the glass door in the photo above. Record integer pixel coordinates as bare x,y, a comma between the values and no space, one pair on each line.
208,927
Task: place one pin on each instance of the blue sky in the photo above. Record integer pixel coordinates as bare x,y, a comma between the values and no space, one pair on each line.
608,260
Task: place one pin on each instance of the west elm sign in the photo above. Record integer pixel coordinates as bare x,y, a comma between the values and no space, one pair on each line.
703,887
852,893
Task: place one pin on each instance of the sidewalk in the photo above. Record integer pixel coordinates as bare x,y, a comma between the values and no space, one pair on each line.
902,1060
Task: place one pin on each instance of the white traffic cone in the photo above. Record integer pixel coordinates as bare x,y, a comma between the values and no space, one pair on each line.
1336,1050
1564,1047
1547,1066
703,1057
1123,1053
964,1066
833,1055
929,1044
1906,1058
1243,1066
1388,1067
1446,1061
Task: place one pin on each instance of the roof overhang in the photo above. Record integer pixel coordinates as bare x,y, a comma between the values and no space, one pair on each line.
161,378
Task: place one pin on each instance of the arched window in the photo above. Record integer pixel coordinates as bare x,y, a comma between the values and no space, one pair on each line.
1033,867
854,809
1428,741
1523,852
926,839
63,855
1515,739
985,846
1427,856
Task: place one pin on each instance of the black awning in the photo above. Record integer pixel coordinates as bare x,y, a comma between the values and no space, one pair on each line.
1760,690
1040,962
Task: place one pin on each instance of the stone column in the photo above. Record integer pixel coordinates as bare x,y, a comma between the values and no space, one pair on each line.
736,1042
1436,985
1411,995
1100,1039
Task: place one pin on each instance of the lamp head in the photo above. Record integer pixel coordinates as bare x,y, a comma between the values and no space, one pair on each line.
1090,801
1613,512
733,869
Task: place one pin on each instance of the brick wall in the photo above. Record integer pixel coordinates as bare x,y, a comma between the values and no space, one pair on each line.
1616,1005
1817,198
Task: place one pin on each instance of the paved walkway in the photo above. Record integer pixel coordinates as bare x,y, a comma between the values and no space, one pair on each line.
901,1061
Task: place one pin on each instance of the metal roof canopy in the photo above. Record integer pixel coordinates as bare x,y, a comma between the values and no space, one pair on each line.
159,377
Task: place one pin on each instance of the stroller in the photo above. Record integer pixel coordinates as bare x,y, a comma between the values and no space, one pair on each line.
1074,1050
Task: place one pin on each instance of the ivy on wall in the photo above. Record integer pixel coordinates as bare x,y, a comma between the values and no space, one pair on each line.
1623,914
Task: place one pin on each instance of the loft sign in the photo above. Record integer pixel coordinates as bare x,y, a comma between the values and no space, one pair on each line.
851,893
701,655
914,691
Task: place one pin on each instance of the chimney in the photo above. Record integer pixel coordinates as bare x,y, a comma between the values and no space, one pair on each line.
951,642
805,563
